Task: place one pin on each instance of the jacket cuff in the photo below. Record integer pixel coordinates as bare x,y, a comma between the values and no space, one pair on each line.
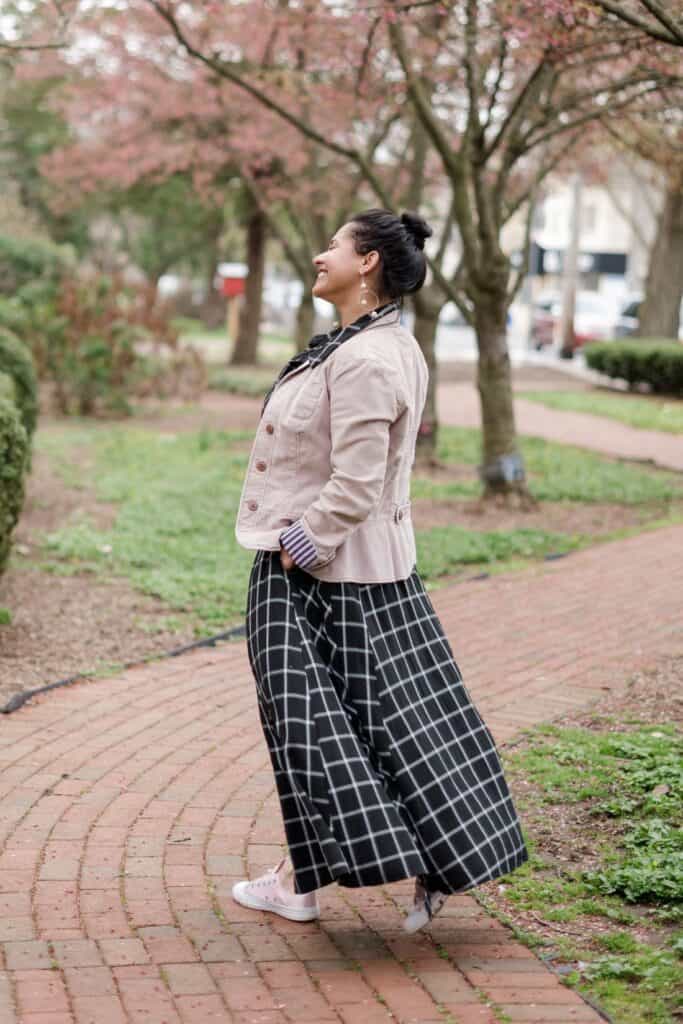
299,545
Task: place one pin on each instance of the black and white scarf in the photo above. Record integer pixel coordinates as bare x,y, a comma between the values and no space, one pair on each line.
321,346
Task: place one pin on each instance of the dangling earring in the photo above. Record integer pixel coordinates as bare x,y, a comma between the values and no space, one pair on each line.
364,289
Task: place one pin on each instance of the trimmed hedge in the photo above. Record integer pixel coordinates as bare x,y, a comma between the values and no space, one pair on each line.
656,363
16,361
14,449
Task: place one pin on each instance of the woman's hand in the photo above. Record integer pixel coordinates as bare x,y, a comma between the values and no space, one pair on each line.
286,560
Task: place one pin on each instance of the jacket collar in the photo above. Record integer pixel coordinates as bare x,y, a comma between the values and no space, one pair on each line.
321,346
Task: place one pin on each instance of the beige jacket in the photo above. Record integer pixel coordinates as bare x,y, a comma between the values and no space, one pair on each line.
334,452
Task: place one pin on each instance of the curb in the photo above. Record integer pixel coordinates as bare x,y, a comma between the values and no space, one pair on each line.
19,699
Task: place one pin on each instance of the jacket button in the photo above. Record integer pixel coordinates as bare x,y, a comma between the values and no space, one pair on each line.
270,429
252,505
261,465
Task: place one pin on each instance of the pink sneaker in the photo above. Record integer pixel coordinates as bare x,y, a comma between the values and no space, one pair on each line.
426,904
267,893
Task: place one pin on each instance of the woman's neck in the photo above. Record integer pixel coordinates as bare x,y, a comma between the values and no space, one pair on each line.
348,312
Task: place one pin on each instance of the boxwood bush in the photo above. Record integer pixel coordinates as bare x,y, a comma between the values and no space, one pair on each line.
16,362
658,364
24,261
14,448
8,392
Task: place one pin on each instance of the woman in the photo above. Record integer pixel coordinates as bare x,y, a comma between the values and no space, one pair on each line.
383,766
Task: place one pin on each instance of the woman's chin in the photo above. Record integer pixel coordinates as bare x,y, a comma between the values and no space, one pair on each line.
319,291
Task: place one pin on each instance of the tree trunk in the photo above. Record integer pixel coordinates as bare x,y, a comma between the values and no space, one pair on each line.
212,308
660,309
305,318
246,344
502,468
571,274
427,304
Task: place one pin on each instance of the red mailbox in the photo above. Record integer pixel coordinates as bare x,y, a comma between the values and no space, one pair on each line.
230,278
232,287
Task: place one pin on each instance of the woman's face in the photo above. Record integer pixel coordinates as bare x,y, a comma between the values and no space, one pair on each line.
340,268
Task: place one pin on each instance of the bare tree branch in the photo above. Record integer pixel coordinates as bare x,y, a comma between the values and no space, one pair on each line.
593,115
576,100
664,29
493,97
446,233
367,50
546,167
633,222
450,158
525,97
18,46
519,275
452,288
658,11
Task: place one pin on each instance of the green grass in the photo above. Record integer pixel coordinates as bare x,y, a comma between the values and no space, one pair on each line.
174,533
238,380
557,472
644,413
631,787
177,496
442,550
192,329
189,328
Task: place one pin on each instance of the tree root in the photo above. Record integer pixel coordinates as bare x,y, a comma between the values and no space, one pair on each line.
516,496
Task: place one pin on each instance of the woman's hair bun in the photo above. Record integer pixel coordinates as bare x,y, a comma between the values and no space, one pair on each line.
399,242
417,228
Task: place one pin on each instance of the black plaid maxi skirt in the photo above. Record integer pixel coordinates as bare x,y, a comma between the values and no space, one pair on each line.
383,766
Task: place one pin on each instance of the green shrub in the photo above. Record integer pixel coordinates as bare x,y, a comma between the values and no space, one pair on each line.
8,392
104,341
16,362
24,261
656,363
99,340
13,462
12,315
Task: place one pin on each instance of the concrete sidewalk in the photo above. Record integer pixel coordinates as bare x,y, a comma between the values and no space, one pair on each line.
458,406
128,807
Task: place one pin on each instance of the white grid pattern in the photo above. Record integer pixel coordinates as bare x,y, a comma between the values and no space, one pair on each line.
384,767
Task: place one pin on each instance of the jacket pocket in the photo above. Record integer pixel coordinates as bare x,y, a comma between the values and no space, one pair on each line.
306,400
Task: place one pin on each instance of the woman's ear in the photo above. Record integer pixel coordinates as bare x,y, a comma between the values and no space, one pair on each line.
371,261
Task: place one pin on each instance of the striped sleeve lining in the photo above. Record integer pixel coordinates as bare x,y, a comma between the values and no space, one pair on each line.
298,544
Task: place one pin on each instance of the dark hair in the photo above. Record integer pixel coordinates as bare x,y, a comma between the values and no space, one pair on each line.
399,242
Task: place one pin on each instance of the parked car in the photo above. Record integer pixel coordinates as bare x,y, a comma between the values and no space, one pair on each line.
543,320
594,318
629,319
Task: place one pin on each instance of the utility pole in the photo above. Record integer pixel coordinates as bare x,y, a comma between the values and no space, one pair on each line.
571,272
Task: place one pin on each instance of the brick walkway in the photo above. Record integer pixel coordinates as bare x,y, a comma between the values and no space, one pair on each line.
128,806
459,407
